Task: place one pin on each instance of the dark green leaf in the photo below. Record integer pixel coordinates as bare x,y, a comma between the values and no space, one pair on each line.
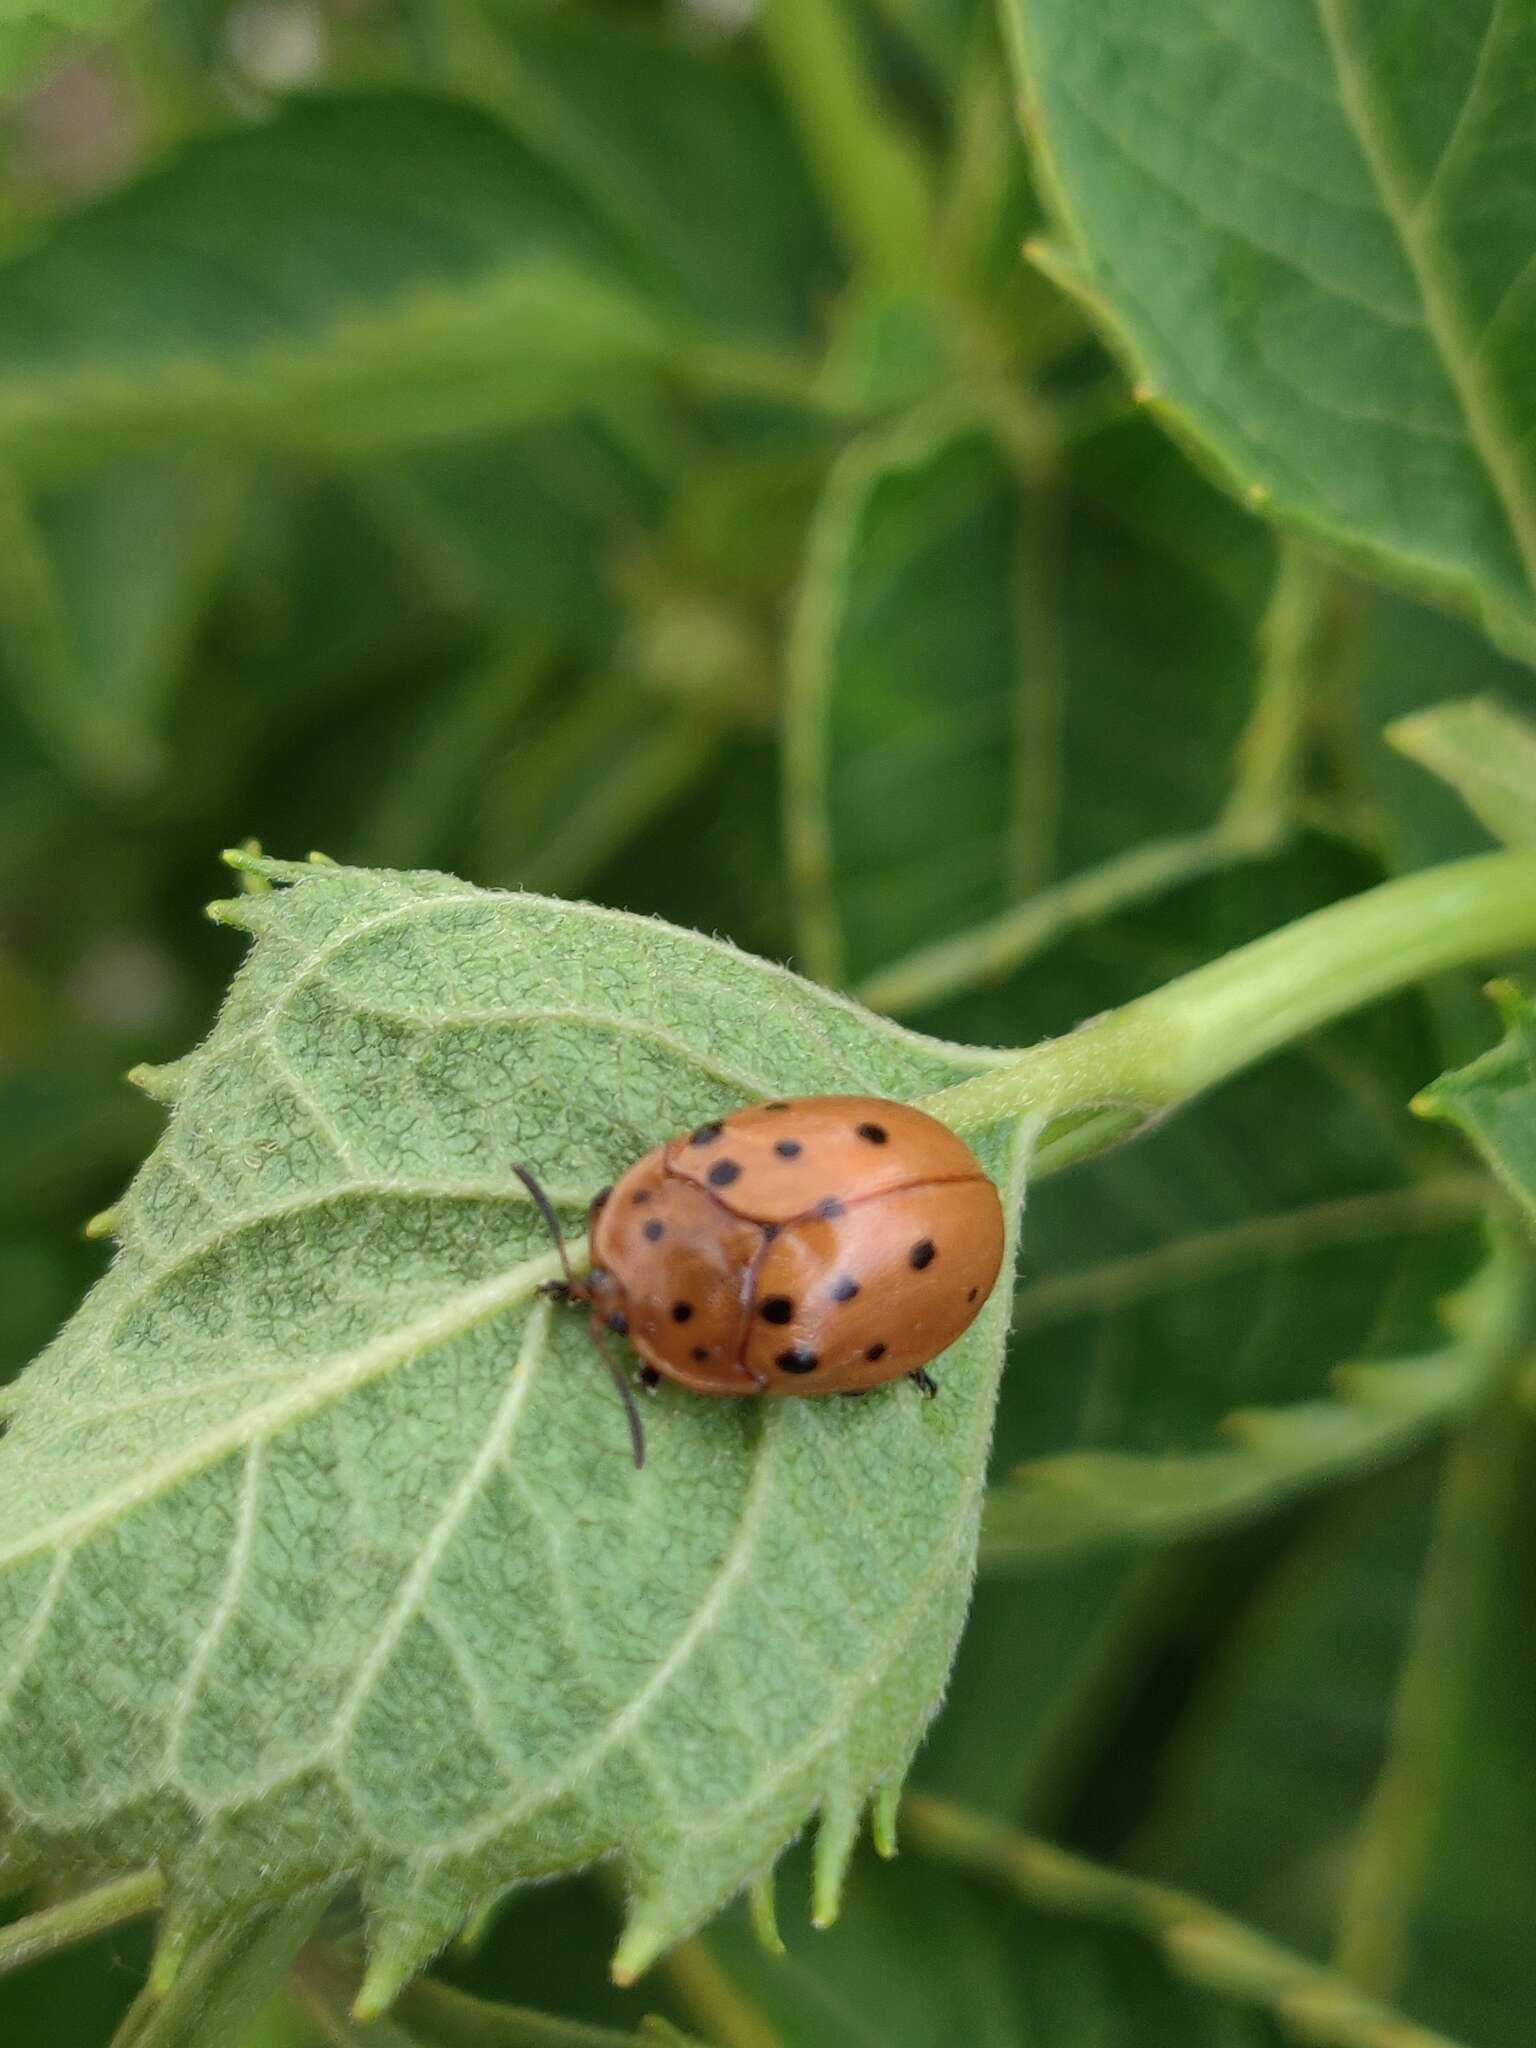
357,270
1494,1100
1308,223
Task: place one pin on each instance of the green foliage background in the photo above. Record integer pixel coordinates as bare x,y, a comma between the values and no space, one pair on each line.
623,452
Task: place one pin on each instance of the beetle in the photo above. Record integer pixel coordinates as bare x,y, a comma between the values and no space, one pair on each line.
819,1244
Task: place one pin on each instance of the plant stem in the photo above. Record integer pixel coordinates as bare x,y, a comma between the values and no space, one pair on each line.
871,177
1198,1943
1166,1047
78,1919
988,952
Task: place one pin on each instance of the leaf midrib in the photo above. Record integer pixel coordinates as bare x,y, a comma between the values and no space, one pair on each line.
462,1311
1444,318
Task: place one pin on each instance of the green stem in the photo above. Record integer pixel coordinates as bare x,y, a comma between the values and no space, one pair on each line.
988,952
1266,768
871,178
1164,1048
1198,1943
78,1919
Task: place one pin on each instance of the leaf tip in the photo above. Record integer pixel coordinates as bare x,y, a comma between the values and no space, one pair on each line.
236,911
161,1084
882,1821
763,1913
175,1940
643,1941
472,1934
104,1223
836,1836
390,1969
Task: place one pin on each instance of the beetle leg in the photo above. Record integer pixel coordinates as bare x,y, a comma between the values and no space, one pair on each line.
626,1392
650,1378
924,1382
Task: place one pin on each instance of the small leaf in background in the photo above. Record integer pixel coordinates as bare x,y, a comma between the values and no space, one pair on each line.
101,588
322,1454
390,267
1375,1411
1314,253
1494,1099
1487,756
889,762
1435,1911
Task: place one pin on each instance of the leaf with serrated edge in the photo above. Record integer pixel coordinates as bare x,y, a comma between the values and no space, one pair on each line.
1493,1100
320,1547
1308,225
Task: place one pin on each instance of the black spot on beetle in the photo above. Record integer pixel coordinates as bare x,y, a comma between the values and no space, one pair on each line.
618,1322
600,1198
845,1290
682,1311
789,1148
875,1353
874,1134
797,1360
778,1308
597,1276
923,1253
830,1207
706,1134
722,1173
640,1196
699,1353
654,1230
973,1294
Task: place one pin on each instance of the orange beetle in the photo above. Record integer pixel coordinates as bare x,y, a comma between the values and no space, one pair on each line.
820,1245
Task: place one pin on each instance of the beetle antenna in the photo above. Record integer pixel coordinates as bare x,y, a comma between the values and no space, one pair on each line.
546,1209
626,1395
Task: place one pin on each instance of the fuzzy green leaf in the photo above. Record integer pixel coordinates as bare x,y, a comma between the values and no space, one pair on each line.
1308,223
1485,753
1494,1099
320,1548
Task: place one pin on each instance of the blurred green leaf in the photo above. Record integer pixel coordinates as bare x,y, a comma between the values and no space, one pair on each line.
1436,1914
1308,229
714,202
958,635
1485,754
101,588
1283,1725
1374,1412
286,1603
355,271
905,692
1217,1954
924,1956
1494,1100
